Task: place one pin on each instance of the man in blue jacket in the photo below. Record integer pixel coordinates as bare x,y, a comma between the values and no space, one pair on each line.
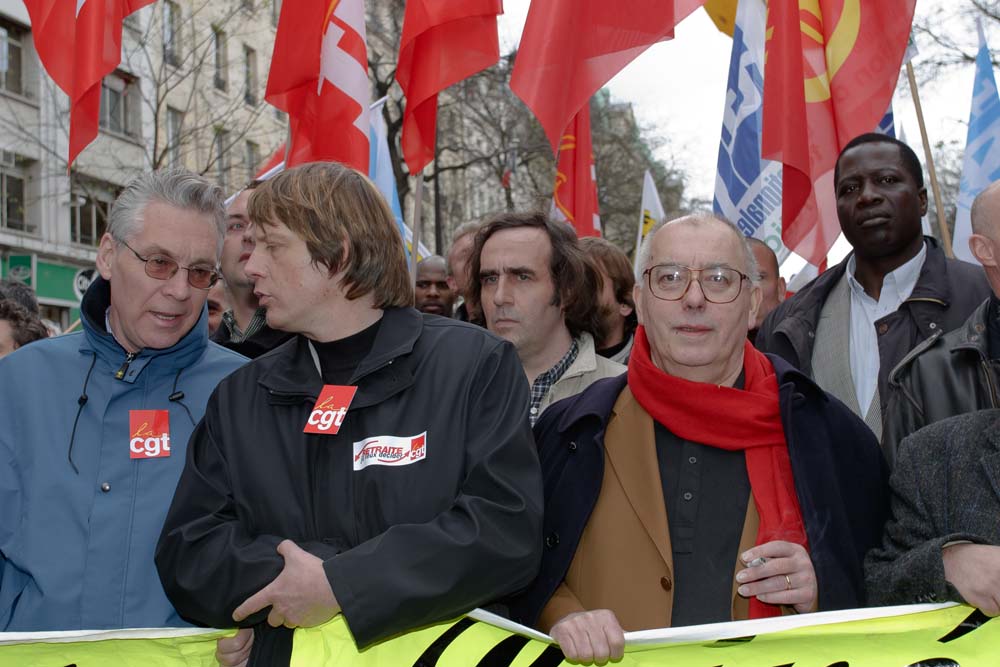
711,482
96,423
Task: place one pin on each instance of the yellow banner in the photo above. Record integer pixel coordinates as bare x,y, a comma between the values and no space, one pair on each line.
919,636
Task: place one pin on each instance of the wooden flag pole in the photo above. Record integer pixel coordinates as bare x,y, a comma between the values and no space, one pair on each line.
942,223
418,204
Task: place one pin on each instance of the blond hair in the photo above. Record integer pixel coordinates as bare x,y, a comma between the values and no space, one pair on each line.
329,206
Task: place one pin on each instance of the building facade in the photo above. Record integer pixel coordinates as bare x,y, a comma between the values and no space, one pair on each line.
188,92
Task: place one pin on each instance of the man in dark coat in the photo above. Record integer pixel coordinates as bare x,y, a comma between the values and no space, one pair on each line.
943,541
848,328
711,482
328,478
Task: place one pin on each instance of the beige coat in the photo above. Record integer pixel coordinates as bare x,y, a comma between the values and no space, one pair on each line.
624,561
587,368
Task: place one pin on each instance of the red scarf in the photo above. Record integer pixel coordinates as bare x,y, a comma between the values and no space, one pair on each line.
746,419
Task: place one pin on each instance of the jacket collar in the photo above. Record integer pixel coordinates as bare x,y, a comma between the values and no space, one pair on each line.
97,340
294,372
933,280
586,357
598,400
932,284
973,336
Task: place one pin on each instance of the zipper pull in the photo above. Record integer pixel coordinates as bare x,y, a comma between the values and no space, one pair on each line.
129,358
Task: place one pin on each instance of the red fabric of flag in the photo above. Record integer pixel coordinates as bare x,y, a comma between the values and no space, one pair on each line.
570,48
80,44
443,42
830,73
574,198
319,76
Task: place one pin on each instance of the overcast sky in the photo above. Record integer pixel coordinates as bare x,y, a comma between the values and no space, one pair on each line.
678,88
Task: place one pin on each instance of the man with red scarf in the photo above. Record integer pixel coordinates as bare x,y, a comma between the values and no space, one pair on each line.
773,488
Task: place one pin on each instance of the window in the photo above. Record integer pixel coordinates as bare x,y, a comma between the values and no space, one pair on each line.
13,180
175,123
221,60
172,32
249,76
275,12
121,111
12,55
221,150
252,159
90,220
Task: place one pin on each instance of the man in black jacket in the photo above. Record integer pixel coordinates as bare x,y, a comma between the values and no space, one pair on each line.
326,478
850,326
950,374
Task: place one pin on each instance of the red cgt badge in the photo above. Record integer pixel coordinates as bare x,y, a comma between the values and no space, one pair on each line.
149,434
328,414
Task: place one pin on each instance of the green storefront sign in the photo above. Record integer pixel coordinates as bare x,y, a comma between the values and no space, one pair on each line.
19,268
58,284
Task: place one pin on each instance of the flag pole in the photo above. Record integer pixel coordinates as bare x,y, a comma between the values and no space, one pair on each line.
418,201
942,224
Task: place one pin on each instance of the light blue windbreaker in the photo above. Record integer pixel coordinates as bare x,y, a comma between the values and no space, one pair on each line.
76,544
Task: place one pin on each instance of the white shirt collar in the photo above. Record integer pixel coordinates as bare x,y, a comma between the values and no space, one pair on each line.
899,282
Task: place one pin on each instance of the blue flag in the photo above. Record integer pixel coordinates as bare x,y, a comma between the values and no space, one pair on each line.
380,171
981,165
748,188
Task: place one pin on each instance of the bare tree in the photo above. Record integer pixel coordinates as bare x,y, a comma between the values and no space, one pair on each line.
946,35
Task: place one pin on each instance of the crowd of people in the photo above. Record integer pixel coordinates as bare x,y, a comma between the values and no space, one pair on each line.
534,423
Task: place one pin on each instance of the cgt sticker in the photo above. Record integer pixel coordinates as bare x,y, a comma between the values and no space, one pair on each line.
150,434
328,414
390,450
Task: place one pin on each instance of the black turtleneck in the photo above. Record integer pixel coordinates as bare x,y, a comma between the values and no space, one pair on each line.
338,359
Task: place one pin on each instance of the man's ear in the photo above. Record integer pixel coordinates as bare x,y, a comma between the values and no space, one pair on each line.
922,195
982,249
782,289
106,253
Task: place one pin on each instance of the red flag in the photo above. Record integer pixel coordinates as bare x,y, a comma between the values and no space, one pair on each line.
443,42
570,48
80,43
319,76
574,199
830,73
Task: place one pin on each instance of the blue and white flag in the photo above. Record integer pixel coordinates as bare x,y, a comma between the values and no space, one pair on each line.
748,188
380,171
887,125
981,165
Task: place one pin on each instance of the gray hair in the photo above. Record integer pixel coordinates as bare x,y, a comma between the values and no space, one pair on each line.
697,218
176,187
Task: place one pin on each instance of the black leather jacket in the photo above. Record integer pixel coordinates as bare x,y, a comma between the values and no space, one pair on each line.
946,375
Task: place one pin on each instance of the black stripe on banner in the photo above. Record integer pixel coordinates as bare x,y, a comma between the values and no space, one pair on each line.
431,655
550,657
971,622
503,654
733,641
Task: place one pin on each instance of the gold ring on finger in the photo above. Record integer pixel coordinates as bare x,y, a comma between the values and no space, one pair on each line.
788,583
